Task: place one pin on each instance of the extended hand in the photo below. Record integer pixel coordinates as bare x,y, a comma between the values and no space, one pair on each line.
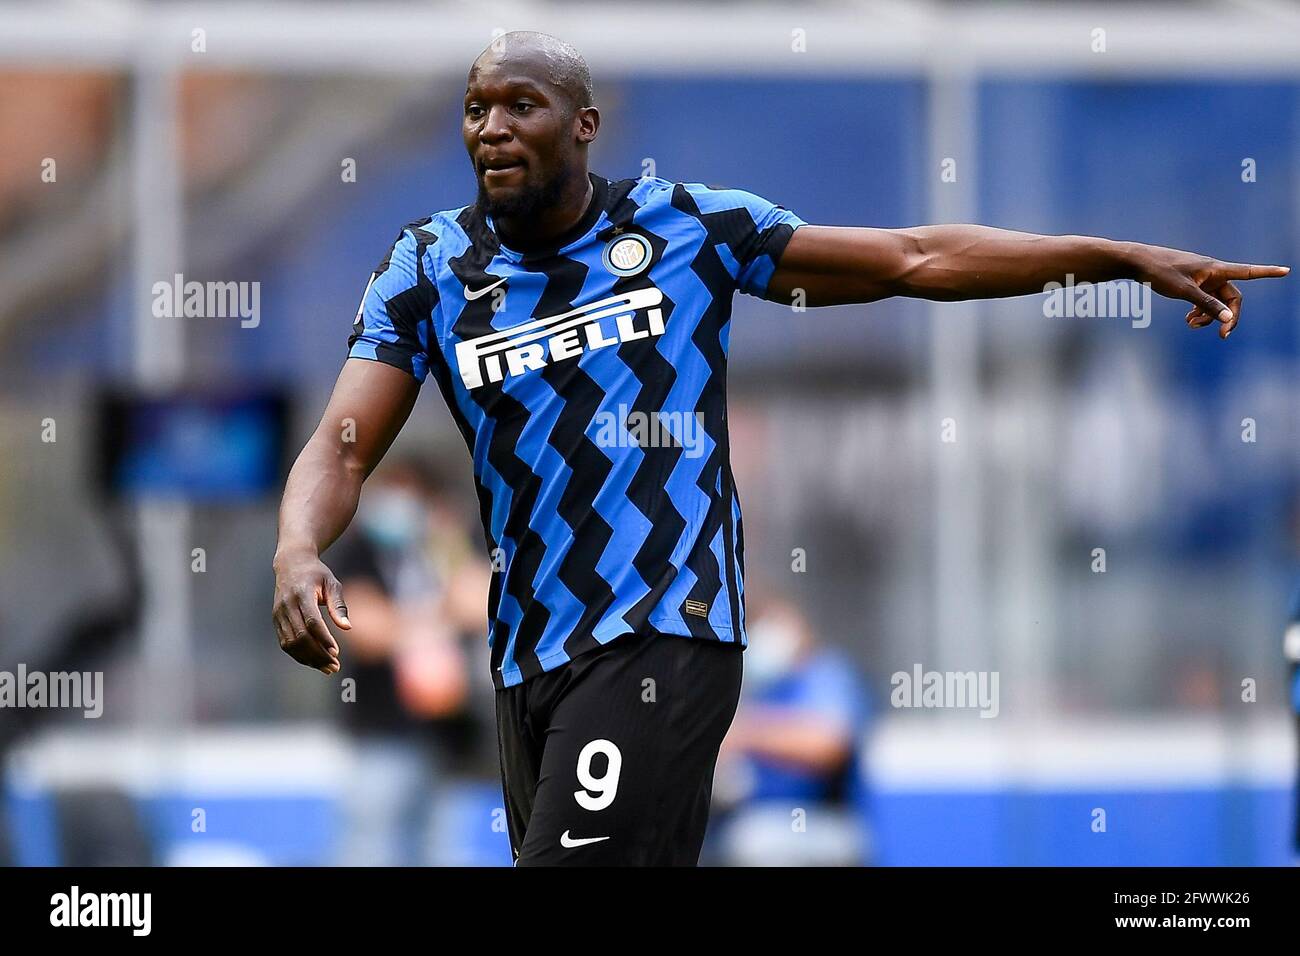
1205,283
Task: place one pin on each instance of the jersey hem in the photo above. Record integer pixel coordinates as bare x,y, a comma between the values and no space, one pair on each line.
560,658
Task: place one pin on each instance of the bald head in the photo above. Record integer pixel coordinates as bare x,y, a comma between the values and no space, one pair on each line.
543,57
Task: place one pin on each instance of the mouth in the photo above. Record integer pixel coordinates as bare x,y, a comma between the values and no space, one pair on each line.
500,168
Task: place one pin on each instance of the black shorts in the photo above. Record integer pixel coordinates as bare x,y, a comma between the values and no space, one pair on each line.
608,760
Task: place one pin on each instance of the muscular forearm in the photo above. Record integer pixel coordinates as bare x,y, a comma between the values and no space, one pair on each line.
948,263
371,402
320,498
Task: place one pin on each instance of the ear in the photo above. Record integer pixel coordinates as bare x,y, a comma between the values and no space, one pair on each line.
587,124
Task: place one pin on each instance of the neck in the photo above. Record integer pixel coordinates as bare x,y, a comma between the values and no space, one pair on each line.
520,232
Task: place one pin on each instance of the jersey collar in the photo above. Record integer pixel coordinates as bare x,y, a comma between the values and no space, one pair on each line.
579,230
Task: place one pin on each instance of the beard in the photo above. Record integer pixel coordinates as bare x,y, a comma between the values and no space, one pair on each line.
524,203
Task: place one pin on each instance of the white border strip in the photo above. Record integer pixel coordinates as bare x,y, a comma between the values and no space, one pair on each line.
905,754
929,753
286,760
866,38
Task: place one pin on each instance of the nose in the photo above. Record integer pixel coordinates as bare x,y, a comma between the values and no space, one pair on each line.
496,125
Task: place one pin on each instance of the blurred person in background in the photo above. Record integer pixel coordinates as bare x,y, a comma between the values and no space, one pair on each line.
789,788
415,588
1291,650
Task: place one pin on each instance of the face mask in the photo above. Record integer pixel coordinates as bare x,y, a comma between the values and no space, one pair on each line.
773,647
393,519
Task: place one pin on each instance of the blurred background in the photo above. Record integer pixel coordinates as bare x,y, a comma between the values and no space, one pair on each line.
1105,515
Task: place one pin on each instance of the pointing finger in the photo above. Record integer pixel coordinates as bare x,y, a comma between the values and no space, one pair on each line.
1246,270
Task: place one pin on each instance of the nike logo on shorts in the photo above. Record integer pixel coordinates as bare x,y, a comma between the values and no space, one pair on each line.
568,842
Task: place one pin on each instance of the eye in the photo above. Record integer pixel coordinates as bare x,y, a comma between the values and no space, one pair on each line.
523,107
474,111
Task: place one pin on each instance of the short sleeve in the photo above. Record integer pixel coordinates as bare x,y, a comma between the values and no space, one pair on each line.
392,323
750,231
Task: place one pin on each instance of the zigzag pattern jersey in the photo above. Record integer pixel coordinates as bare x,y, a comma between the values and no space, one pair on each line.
589,383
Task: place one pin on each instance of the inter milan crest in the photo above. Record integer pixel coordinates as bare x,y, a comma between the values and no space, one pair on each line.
627,254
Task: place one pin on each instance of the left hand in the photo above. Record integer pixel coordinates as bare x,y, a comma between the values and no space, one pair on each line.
1205,283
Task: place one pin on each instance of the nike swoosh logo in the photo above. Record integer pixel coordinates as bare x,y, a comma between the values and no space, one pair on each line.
471,296
568,842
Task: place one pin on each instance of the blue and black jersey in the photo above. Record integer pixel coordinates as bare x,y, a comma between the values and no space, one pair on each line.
589,383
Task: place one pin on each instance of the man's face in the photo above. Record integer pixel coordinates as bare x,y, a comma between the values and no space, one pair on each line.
520,135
